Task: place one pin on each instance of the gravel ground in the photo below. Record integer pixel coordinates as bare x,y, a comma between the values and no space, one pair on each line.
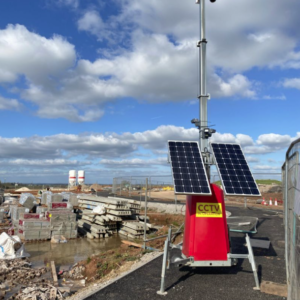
233,283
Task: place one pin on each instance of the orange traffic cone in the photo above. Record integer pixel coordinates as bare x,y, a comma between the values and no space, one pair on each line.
270,203
263,202
276,204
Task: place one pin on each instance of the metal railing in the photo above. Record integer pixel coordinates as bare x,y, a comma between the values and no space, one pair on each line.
291,188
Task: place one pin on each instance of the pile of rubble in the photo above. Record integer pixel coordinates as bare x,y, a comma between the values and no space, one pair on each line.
76,272
40,292
18,271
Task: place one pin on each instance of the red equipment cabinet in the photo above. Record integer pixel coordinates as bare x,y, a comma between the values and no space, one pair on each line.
206,235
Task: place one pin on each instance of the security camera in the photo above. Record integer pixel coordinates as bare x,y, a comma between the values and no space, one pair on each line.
198,1
207,132
194,121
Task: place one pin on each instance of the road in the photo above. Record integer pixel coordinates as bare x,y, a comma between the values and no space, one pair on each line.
234,283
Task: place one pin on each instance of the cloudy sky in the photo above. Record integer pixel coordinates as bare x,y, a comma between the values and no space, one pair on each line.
102,85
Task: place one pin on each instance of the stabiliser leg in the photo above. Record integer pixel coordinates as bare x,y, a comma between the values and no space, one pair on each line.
170,244
251,259
163,270
252,262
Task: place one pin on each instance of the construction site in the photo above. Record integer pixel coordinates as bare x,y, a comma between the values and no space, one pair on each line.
67,243
218,224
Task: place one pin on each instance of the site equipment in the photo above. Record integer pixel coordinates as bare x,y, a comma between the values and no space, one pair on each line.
206,241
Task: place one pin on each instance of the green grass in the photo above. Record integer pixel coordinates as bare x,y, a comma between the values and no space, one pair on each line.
102,268
268,181
218,182
258,181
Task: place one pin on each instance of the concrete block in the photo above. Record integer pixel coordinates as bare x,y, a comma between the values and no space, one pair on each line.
27,200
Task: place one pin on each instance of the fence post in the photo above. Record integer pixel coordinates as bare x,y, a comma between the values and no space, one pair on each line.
245,202
286,219
145,220
141,189
150,187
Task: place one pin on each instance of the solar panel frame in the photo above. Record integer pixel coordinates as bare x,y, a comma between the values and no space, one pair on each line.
191,171
226,174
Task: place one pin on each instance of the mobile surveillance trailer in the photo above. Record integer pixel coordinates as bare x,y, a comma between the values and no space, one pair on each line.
206,241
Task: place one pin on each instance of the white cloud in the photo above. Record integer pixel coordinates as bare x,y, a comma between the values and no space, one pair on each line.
267,168
266,143
244,140
274,140
236,85
160,39
147,72
134,163
71,113
45,163
113,145
251,159
290,60
71,3
260,38
268,97
240,43
118,154
292,83
92,22
38,58
9,104
223,138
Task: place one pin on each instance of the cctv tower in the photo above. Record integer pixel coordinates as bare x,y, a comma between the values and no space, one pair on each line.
206,241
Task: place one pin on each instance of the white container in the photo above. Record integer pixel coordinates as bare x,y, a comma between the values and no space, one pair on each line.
81,177
72,178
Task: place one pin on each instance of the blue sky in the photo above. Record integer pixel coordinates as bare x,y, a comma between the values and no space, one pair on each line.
102,85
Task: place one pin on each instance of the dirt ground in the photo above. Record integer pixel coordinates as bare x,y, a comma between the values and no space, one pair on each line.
97,267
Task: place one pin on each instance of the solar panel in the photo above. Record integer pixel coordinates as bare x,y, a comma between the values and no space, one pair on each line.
188,170
234,171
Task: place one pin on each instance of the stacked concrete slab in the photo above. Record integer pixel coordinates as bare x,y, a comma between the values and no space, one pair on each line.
132,229
121,215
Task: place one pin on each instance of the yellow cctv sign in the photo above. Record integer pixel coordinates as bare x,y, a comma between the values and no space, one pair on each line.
209,210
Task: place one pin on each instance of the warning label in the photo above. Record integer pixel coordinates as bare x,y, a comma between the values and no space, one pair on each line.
209,210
